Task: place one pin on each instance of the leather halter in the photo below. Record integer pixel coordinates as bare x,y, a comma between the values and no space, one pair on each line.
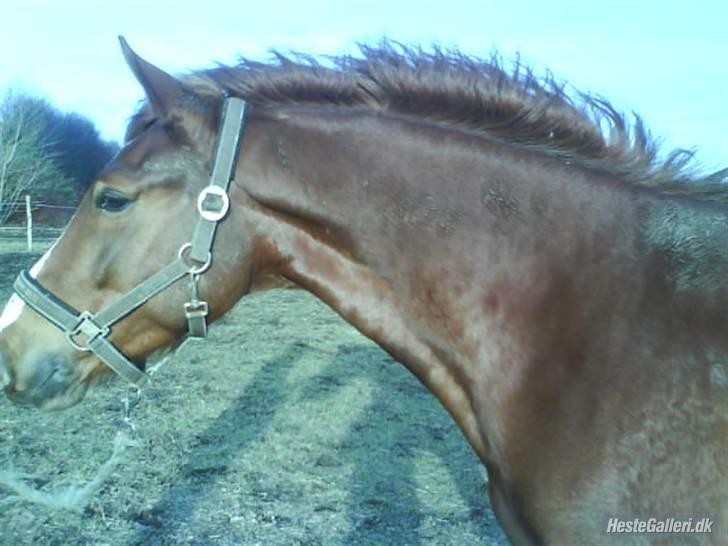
87,331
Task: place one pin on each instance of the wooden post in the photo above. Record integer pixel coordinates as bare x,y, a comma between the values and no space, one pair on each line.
29,222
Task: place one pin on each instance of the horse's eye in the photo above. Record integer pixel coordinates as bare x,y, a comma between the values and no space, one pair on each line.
112,202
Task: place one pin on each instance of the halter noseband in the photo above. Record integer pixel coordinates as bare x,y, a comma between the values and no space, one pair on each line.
88,331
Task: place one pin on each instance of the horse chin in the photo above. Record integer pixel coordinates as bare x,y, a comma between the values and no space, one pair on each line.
71,395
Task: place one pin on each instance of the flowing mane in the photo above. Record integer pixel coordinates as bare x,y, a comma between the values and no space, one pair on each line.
474,95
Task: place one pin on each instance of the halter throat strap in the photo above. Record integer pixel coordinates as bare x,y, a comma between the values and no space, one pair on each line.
87,331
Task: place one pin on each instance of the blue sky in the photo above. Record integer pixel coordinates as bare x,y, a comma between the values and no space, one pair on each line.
665,59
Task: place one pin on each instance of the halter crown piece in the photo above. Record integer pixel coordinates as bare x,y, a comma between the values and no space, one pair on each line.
89,332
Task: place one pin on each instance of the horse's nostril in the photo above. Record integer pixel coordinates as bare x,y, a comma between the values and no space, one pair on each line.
5,378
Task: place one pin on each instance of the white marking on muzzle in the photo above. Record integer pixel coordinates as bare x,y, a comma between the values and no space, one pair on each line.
12,312
38,267
14,307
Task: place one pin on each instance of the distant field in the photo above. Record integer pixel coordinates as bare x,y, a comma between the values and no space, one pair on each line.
285,427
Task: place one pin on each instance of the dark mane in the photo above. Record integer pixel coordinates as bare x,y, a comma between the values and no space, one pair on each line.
477,95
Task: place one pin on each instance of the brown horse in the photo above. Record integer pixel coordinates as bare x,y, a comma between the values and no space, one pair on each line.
562,292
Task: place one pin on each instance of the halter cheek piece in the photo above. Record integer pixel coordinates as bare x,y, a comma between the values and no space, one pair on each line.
88,331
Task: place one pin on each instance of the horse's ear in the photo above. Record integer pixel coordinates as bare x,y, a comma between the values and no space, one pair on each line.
162,90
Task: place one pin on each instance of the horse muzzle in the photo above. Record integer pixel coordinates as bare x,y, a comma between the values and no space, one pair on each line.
50,384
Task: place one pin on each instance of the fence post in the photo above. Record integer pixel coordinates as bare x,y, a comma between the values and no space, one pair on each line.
29,222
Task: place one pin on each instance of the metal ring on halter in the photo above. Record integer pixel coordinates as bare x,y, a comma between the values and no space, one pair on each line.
204,205
78,347
195,270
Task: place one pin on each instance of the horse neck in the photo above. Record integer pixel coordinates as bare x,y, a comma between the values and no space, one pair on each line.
444,248
407,198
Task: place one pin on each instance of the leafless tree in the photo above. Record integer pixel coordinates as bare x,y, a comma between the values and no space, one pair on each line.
26,162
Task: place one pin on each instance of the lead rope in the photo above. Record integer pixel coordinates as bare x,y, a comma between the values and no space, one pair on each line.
130,401
75,498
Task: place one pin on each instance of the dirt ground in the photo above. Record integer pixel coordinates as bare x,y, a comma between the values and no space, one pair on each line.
285,427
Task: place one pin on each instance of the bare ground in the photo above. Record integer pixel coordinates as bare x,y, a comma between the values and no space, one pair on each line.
285,427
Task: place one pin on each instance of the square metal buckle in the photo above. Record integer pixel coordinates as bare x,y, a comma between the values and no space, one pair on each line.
213,203
196,312
88,328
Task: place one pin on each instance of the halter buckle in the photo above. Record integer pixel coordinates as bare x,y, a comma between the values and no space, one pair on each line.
87,327
196,312
213,203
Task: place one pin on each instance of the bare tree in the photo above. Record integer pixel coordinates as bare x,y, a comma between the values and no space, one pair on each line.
26,162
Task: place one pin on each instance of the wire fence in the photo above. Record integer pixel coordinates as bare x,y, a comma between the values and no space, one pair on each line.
21,232
20,206
34,227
